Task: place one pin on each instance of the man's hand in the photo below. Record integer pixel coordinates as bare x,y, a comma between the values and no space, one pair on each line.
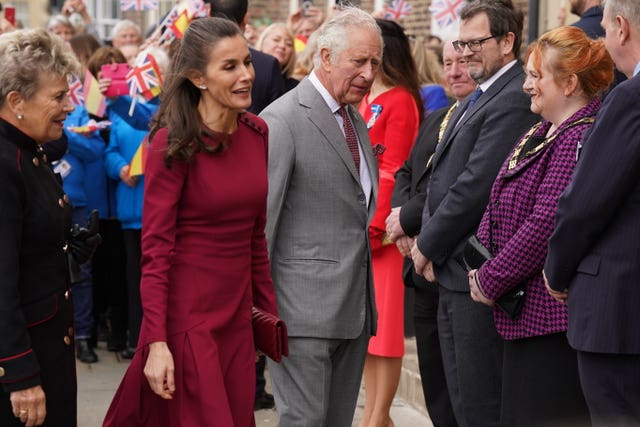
422,265
558,296
394,229
404,244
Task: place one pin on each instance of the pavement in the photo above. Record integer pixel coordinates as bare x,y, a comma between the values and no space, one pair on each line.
97,384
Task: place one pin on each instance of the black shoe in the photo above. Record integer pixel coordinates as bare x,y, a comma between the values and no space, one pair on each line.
128,353
84,352
264,401
116,344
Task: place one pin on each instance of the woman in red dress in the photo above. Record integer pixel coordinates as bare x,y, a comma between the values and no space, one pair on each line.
392,111
204,255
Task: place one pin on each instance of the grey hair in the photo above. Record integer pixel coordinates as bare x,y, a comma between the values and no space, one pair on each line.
27,55
629,9
56,20
125,24
334,35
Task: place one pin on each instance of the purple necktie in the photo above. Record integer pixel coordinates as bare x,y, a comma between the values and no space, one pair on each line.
350,135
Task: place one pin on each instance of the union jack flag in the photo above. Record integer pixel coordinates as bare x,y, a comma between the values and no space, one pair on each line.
199,9
398,9
144,78
446,12
76,92
138,5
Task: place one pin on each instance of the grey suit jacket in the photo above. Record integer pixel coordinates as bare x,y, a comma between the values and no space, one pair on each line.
318,218
463,170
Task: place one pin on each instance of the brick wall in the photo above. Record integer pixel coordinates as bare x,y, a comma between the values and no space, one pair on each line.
417,23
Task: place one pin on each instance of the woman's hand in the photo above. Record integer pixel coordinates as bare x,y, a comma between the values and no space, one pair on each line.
29,405
159,370
476,292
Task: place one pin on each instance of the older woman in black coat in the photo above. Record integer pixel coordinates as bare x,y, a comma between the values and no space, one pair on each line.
37,367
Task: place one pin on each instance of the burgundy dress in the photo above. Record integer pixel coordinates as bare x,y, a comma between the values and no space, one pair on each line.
204,264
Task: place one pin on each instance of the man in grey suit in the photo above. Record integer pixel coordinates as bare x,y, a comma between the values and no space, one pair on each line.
593,263
323,181
474,145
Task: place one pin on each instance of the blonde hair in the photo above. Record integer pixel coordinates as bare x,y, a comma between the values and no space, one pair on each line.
288,68
427,64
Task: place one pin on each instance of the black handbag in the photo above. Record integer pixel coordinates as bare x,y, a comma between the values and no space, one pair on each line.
474,254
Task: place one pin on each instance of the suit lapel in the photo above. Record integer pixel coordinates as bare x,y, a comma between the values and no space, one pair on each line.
454,127
324,120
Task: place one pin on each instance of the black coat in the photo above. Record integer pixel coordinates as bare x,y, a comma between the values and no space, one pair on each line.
36,316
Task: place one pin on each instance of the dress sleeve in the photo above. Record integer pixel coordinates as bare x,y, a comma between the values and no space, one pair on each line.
263,292
163,192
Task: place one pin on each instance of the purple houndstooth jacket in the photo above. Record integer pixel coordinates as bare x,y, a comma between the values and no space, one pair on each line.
519,220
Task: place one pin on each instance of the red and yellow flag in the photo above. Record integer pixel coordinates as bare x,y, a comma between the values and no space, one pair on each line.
139,160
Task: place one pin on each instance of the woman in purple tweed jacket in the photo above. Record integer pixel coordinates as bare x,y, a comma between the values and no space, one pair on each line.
566,72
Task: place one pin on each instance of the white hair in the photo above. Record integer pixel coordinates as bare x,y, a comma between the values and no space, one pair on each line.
334,35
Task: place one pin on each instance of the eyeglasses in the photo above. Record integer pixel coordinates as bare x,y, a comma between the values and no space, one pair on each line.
473,45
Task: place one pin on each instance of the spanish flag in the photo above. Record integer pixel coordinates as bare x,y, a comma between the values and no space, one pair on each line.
179,26
94,100
139,160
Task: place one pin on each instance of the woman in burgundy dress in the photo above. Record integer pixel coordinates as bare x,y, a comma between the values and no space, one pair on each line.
204,256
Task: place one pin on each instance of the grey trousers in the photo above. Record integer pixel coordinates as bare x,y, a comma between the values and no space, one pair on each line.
318,384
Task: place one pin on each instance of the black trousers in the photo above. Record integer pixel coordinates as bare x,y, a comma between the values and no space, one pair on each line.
434,383
540,384
109,280
611,385
133,250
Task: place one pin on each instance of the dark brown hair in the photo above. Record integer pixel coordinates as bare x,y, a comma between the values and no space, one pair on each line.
180,98
398,67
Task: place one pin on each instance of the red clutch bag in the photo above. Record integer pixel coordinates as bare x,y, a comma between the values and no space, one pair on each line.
269,334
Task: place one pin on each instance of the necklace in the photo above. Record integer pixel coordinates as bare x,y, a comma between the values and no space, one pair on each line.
516,158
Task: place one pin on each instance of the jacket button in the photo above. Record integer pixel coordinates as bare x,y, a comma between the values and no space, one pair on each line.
61,203
65,248
1,371
65,198
36,162
67,340
71,331
67,294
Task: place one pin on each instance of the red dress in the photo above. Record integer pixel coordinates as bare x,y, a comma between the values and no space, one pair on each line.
393,120
204,264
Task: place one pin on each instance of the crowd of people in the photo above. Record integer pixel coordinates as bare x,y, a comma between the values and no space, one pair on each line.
313,169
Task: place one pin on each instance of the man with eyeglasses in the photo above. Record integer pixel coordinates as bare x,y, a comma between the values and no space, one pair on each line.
475,143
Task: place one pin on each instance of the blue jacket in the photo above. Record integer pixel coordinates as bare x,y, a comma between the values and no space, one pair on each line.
82,150
123,144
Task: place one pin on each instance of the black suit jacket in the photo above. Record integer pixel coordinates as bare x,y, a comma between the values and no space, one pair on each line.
409,191
595,248
268,84
464,168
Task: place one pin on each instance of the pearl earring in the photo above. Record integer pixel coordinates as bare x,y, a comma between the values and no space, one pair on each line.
20,116
202,87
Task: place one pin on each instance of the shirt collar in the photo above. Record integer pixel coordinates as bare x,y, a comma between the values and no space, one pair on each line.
637,69
334,106
487,84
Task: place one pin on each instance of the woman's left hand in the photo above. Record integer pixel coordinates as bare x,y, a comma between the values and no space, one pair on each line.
474,288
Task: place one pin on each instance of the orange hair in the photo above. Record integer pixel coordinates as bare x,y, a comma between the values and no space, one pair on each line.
573,52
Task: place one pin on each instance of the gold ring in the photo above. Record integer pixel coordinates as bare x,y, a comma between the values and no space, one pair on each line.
23,412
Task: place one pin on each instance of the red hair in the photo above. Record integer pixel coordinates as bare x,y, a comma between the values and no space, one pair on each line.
571,51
